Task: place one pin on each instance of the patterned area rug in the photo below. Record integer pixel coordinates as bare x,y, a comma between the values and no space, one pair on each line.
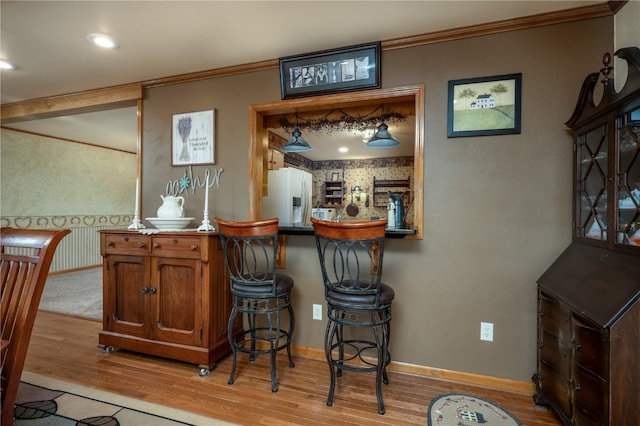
457,409
43,401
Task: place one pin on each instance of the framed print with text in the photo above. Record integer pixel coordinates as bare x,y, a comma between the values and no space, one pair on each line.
193,138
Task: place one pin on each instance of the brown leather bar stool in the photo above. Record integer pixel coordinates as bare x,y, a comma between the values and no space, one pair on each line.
258,291
351,256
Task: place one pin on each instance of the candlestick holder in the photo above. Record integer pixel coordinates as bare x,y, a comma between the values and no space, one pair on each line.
206,224
136,224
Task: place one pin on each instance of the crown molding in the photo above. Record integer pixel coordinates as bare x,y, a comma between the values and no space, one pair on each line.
93,99
507,25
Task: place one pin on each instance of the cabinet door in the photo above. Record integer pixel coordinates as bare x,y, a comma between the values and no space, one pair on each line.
176,310
275,160
628,182
592,170
125,294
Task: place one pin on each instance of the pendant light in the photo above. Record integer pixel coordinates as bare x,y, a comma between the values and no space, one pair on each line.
382,138
296,143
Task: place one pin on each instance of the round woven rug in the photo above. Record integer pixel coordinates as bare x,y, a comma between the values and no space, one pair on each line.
458,409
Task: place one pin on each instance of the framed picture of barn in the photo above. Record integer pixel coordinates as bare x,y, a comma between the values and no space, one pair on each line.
484,106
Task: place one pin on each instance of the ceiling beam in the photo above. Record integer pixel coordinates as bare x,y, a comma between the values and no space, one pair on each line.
82,102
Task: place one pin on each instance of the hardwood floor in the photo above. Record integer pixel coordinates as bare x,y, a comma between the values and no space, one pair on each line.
65,348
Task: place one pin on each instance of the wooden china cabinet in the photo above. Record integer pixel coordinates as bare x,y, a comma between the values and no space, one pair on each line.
166,294
589,299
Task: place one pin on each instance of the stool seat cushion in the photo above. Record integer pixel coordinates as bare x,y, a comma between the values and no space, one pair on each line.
387,294
284,284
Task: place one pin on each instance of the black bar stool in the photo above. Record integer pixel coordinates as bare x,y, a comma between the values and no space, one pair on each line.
258,290
351,256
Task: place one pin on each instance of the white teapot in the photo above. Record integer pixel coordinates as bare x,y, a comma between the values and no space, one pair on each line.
171,207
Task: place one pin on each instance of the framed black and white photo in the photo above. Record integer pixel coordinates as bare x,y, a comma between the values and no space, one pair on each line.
193,138
484,106
331,71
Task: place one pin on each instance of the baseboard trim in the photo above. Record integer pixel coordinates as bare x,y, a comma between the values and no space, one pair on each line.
500,383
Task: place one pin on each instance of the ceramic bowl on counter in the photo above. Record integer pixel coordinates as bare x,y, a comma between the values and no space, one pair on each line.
170,223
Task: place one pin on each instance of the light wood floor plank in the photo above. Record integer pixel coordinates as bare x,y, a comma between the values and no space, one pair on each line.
66,348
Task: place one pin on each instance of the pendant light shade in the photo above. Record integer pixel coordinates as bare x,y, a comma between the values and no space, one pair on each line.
382,138
296,143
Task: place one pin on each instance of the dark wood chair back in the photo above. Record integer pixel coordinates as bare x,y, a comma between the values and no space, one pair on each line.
25,258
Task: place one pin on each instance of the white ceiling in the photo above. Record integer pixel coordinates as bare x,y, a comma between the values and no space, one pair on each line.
46,40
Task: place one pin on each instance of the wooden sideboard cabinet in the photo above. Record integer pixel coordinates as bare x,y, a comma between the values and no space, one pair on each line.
167,295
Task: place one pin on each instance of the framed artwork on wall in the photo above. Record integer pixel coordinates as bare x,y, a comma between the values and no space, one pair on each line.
193,138
484,106
331,71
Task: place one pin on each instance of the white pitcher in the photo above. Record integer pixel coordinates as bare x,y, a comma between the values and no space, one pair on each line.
171,206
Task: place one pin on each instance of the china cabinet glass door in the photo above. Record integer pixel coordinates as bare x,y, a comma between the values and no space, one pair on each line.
628,179
592,172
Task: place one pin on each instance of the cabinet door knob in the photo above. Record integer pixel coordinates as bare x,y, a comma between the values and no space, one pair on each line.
156,245
110,244
194,247
152,290
174,241
141,244
144,290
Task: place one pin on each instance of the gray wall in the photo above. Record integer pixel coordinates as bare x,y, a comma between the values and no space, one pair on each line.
497,209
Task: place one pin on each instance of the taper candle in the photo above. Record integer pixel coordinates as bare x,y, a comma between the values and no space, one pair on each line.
206,194
136,211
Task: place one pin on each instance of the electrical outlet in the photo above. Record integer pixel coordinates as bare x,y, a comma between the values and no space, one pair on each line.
317,312
486,331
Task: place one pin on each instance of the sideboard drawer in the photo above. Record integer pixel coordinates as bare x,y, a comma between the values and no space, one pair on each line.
591,396
591,348
125,244
555,386
555,317
556,354
175,246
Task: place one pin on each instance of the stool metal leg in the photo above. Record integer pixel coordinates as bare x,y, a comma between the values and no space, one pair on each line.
386,333
382,361
328,344
232,341
292,324
252,326
274,341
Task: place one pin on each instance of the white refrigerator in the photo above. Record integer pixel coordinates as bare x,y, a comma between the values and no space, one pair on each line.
289,196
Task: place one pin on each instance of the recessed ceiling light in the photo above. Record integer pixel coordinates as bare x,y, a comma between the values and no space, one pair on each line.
6,65
102,41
